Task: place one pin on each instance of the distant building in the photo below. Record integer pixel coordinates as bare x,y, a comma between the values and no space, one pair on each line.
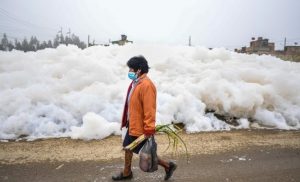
263,46
259,46
123,40
292,50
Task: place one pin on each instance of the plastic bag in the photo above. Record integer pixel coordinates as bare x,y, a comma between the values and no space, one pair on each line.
148,156
124,131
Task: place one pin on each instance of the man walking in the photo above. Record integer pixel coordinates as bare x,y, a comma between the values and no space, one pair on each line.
139,115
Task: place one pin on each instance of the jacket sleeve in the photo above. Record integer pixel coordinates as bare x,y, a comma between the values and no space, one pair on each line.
149,107
124,116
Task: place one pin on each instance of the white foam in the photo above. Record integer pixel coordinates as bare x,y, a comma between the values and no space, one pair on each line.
243,123
94,127
47,93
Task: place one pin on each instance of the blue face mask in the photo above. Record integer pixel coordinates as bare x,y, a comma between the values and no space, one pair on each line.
132,75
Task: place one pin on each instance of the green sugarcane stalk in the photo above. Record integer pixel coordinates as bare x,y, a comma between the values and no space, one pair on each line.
135,143
172,134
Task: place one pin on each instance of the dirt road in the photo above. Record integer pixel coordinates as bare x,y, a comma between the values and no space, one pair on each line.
243,155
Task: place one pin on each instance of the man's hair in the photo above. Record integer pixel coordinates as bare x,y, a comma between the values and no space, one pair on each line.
138,62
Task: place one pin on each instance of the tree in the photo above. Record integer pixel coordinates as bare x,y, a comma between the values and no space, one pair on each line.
43,45
76,41
18,45
56,41
10,46
62,39
25,45
68,40
33,44
4,43
82,45
49,44
36,43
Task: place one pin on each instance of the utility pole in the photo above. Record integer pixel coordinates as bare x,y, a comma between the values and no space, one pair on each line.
190,41
60,34
284,42
69,32
88,41
68,37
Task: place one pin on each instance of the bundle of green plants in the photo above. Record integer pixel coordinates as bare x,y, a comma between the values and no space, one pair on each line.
172,132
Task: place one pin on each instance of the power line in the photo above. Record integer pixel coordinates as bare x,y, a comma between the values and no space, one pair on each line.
20,30
18,20
18,25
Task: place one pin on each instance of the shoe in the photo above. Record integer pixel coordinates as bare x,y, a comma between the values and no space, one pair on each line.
172,168
120,177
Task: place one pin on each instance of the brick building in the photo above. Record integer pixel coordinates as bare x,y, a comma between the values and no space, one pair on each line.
263,46
292,50
259,46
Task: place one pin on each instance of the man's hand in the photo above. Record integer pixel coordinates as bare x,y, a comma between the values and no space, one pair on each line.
147,136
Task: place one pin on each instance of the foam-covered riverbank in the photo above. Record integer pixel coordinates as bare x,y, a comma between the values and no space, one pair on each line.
69,92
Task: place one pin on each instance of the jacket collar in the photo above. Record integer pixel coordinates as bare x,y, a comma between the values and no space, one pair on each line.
143,76
139,79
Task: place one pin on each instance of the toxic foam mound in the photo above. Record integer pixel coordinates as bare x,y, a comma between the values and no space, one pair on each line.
69,92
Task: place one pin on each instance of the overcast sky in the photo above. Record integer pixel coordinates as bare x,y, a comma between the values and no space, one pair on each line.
211,23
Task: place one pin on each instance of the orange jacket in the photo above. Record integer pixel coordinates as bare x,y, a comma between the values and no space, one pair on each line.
142,108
